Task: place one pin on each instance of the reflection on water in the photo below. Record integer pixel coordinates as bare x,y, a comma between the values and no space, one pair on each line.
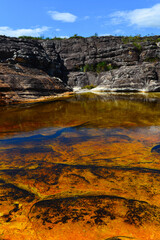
84,110
87,168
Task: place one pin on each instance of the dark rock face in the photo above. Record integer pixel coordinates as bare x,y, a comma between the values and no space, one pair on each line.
78,52
33,68
25,71
135,65
19,83
26,52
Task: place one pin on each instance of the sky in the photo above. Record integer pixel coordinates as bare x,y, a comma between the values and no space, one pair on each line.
65,18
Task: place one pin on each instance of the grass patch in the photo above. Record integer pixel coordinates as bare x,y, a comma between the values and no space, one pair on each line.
89,86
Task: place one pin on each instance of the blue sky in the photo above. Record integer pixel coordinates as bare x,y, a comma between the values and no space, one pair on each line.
64,18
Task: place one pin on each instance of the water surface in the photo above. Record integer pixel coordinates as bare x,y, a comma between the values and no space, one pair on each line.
87,167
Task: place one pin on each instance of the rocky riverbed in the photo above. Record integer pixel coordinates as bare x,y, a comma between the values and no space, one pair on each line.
83,168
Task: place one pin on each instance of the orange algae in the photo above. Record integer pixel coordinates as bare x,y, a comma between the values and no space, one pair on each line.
83,169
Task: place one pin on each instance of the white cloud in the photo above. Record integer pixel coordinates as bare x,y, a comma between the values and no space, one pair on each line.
35,32
58,30
145,17
64,17
64,37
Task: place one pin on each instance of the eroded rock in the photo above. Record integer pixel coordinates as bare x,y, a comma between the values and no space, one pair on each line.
30,69
20,83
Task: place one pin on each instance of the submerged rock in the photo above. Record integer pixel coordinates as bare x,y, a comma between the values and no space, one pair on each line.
156,149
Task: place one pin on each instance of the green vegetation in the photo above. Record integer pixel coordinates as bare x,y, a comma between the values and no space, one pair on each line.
57,38
132,39
103,66
41,38
138,46
99,67
89,68
152,60
47,38
34,38
138,39
76,36
95,35
89,86
126,40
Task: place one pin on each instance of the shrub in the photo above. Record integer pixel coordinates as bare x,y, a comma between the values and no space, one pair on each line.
89,67
103,66
138,46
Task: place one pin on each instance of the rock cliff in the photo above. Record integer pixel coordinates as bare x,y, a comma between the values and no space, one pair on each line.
111,63
30,69
25,72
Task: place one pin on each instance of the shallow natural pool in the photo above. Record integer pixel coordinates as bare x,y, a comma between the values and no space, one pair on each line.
85,168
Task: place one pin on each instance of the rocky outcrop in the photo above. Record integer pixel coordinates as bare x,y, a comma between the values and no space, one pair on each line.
30,69
144,77
140,77
25,71
23,84
134,62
